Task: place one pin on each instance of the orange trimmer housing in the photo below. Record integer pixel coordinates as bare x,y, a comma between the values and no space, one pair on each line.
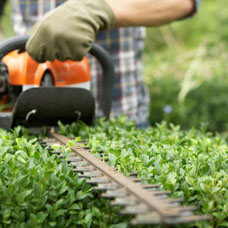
24,71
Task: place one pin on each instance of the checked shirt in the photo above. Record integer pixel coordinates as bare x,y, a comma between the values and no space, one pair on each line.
125,45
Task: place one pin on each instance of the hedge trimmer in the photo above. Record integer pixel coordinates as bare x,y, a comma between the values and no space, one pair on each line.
45,106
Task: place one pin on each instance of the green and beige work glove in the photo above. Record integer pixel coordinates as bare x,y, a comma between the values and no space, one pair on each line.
68,31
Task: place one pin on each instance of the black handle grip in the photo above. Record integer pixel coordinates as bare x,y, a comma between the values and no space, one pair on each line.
97,51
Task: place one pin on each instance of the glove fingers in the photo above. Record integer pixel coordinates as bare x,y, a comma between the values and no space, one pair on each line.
68,31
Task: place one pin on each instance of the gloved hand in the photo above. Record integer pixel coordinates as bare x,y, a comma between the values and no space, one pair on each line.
68,31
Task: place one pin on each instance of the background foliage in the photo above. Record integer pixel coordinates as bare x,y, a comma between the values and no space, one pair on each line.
186,69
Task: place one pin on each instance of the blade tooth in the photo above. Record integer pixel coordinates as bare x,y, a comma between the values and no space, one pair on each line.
153,218
82,176
42,143
56,152
185,211
151,187
46,140
135,210
91,174
113,169
128,201
164,196
50,143
115,194
161,194
172,221
158,193
98,180
74,159
71,137
79,164
72,156
99,152
194,218
78,146
186,219
84,169
133,175
174,202
105,187
86,147
136,180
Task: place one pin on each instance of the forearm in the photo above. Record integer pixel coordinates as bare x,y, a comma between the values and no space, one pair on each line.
149,12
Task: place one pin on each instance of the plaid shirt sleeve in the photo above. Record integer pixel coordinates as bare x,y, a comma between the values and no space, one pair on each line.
27,12
125,45
130,95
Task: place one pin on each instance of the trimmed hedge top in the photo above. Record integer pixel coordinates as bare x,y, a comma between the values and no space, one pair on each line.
192,164
39,190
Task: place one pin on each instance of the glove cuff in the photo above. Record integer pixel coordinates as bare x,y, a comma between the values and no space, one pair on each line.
195,9
110,14
104,13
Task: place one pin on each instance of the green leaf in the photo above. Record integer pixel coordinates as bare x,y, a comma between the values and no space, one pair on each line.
88,218
75,207
112,159
6,214
120,225
96,212
27,193
171,179
37,189
61,212
59,203
52,224
41,217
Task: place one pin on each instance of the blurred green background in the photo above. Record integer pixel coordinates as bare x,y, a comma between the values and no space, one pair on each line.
185,67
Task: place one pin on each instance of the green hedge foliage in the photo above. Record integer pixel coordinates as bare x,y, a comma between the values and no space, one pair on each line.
192,164
40,190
